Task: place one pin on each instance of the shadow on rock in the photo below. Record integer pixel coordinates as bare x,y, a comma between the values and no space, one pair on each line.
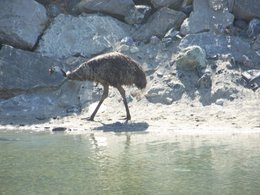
123,127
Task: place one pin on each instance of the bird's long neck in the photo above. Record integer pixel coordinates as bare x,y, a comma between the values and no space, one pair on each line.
63,73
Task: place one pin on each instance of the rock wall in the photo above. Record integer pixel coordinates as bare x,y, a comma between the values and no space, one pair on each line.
162,35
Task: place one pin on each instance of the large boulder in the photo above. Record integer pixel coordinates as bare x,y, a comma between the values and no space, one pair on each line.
26,88
86,35
175,4
23,70
22,22
220,45
159,23
207,15
246,10
113,7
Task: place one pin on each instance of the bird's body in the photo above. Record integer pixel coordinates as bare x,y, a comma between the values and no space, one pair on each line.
111,69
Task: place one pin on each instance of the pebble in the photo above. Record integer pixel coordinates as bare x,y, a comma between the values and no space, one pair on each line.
220,102
154,40
159,73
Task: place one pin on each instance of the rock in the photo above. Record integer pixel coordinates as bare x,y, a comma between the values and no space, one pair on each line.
138,14
154,40
24,70
207,15
220,102
174,4
253,28
205,81
55,7
220,45
256,44
134,49
246,10
187,9
21,23
84,35
251,78
26,88
170,36
53,10
159,23
127,41
247,62
191,58
165,94
223,91
242,24
113,7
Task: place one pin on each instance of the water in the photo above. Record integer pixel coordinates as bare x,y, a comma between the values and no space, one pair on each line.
129,163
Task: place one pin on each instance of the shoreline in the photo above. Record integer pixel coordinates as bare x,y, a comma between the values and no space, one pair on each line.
182,118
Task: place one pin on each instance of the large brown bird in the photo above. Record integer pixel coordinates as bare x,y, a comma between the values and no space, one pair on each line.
110,69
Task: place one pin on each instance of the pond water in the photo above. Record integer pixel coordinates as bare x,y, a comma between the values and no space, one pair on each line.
129,163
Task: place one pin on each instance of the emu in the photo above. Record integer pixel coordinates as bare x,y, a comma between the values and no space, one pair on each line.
110,69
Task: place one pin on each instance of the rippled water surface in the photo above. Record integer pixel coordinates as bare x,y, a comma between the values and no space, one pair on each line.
129,163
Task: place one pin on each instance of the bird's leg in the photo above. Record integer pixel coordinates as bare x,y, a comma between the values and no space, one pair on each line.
122,92
104,96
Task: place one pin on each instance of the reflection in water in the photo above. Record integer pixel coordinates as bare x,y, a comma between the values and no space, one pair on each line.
129,163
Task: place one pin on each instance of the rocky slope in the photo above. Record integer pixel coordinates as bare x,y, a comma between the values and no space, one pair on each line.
201,58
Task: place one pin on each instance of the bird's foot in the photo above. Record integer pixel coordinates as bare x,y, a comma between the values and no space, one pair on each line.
88,118
127,118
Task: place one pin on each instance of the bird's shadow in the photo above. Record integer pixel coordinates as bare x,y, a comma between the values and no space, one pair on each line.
123,127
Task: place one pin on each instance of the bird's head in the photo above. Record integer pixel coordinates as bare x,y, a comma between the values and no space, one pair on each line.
56,69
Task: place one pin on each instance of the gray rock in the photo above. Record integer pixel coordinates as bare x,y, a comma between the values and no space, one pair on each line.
85,35
256,44
127,41
220,102
205,81
21,22
254,28
223,91
154,40
159,23
246,10
174,4
55,7
191,58
113,7
26,88
220,45
170,36
24,70
138,14
165,94
207,15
